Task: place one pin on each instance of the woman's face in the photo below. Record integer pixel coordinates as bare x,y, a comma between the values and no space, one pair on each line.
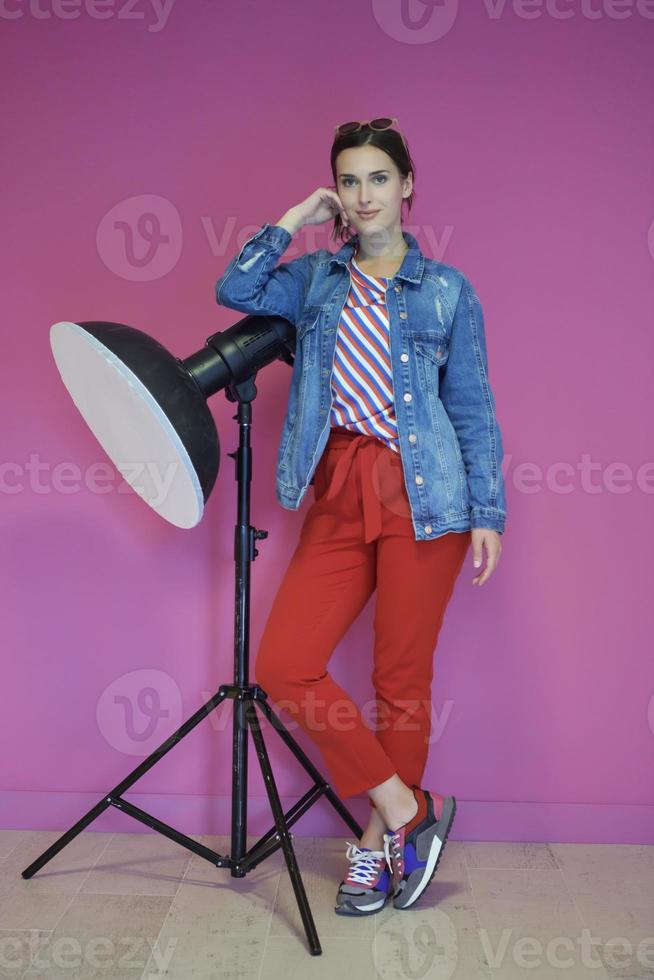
367,179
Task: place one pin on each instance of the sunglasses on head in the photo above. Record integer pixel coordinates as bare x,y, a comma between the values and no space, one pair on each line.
378,125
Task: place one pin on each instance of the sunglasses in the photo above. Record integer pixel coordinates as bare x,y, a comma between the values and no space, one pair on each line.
378,125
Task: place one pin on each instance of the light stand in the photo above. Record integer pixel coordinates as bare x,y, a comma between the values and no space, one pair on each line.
245,696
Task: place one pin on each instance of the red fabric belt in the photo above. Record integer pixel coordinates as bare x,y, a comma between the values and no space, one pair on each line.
361,452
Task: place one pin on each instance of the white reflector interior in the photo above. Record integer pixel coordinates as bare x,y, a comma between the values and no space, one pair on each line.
129,424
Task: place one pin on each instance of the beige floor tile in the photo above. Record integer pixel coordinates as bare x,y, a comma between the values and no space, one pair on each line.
609,921
628,961
518,952
586,866
109,936
535,899
138,864
217,924
40,901
198,940
16,948
530,925
286,958
494,854
144,907
613,888
8,841
438,940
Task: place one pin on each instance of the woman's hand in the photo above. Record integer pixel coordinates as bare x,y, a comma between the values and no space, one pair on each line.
485,537
320,206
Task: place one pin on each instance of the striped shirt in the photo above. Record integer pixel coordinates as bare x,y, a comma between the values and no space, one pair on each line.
362,381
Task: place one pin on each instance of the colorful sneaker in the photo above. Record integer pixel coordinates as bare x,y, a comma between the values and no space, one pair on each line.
414,849
368,883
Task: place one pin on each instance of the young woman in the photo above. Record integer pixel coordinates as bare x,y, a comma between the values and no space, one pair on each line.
391,417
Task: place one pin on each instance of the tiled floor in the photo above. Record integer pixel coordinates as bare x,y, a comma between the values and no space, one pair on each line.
139,906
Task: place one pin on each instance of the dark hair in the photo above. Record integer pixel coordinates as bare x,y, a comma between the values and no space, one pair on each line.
388,140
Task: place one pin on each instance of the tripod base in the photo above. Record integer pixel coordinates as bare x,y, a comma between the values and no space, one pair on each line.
245,697
238,861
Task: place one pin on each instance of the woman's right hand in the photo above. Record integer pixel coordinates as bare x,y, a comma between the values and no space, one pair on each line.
323,205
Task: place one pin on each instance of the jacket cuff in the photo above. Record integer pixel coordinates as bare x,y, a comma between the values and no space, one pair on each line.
490,517
272,235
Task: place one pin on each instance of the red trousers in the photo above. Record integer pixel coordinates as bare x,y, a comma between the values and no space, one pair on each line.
357,536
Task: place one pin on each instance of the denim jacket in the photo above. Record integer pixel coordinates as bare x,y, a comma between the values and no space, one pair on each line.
449,438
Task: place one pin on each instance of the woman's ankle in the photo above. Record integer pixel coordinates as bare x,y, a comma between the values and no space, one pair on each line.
395,802
373,835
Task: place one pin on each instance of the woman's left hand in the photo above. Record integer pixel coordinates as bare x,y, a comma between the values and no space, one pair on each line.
485,537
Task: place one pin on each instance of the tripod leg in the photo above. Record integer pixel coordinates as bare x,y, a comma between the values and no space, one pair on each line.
280,823
115,794
304,759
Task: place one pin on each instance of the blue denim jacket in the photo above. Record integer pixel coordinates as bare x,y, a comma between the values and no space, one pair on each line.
449,438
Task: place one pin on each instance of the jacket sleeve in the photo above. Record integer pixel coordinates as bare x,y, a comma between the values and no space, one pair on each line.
253,285
468,400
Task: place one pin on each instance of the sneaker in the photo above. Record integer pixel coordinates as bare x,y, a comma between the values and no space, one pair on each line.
414,849
367,885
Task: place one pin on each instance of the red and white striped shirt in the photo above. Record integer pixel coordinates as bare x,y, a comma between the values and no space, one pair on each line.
362,381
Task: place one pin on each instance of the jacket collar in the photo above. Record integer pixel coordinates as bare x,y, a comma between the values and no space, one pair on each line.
413,262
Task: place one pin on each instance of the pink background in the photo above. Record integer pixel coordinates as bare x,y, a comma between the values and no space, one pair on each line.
533,148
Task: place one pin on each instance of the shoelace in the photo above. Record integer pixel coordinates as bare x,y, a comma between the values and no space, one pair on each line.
393,852
364,864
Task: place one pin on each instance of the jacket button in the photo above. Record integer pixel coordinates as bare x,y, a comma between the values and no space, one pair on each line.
403,315
413,437
407,397
404,357
419,481
398,289
427,528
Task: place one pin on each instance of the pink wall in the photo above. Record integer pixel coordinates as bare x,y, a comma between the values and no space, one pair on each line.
534,150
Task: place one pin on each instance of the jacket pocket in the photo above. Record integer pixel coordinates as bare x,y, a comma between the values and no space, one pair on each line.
433,345
431,350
